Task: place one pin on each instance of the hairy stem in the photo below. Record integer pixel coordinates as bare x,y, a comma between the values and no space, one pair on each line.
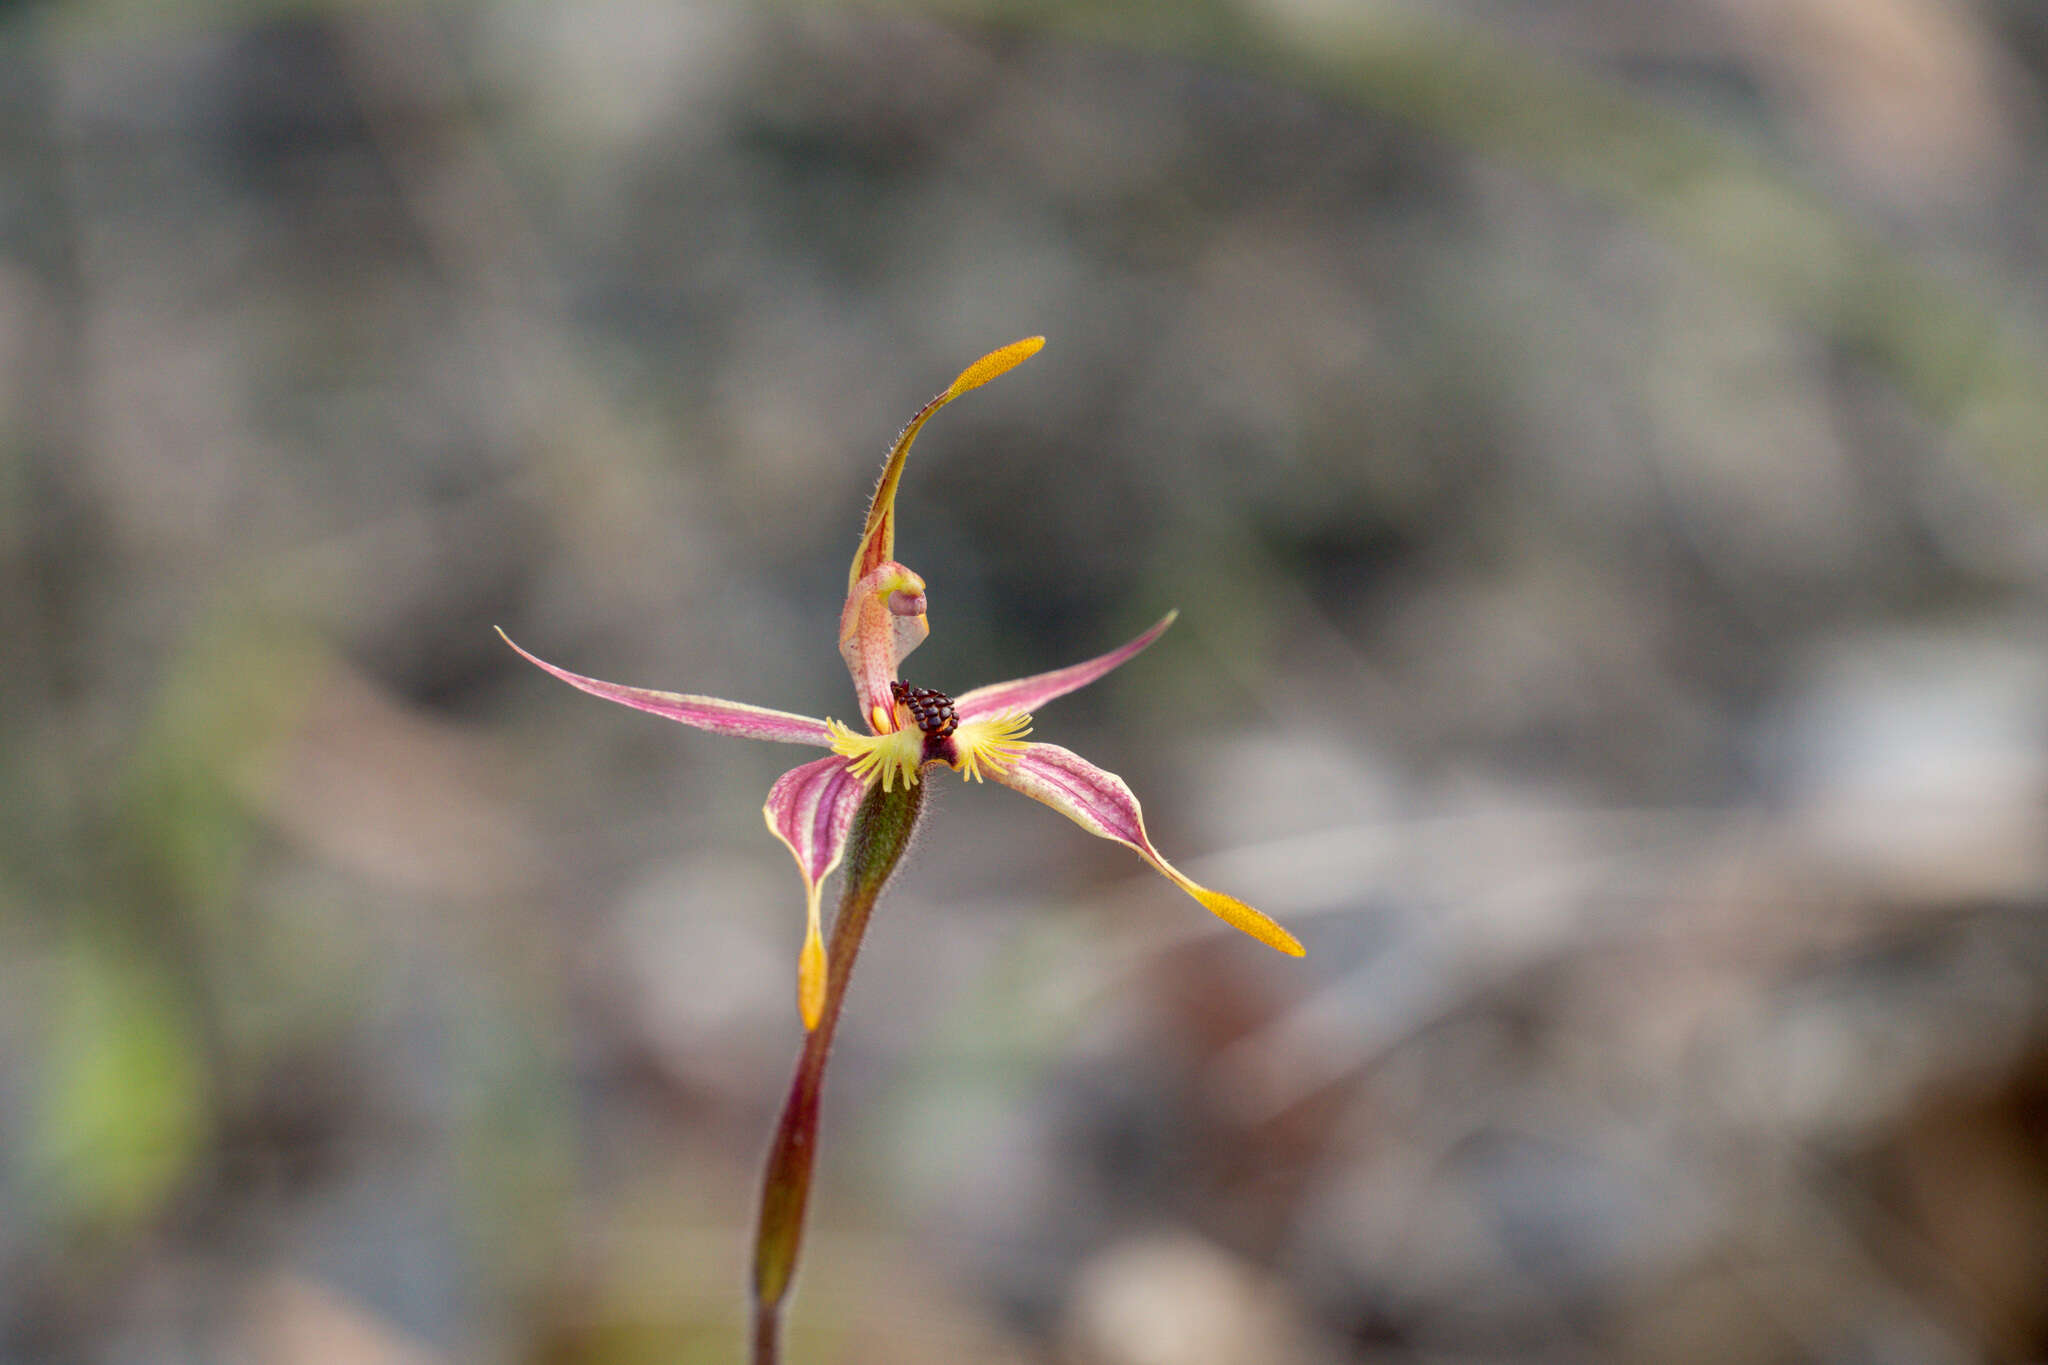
881,832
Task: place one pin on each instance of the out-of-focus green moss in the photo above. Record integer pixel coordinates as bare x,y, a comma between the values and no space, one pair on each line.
122,1113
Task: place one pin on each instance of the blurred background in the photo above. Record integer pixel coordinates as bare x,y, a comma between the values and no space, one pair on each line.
1598,452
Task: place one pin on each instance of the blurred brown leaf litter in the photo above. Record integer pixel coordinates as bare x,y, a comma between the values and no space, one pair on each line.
1596,451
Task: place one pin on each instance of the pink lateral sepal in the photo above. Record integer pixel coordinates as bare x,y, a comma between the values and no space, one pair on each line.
811,809
1100,802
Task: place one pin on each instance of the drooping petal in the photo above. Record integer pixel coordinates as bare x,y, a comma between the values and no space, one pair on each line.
1100,803
1028,694
706,713
878,538
811,808
882,622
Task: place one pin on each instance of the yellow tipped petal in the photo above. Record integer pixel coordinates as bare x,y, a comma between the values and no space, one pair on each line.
810,971
878,537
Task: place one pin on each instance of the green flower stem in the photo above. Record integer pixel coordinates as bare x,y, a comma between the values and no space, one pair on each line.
881,832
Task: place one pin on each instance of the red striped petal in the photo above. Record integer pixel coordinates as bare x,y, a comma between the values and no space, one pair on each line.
1028,694
705,713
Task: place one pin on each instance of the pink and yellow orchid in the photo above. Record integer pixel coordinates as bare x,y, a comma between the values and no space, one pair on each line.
910,729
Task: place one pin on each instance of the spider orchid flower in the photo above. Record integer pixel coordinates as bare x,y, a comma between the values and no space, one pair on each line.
911,729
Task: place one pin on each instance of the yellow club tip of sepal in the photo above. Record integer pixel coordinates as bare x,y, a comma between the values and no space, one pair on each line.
810,978
1244,918
996,362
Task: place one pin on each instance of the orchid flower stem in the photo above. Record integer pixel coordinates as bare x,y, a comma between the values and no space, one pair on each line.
881,832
